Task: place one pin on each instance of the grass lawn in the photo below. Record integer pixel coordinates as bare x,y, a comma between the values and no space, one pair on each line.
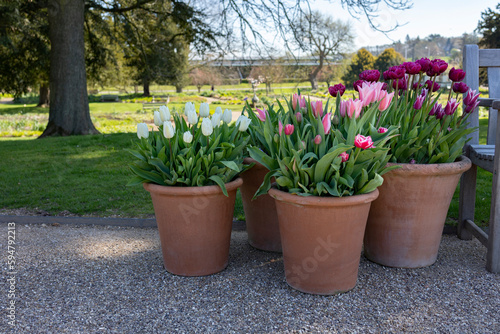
86,175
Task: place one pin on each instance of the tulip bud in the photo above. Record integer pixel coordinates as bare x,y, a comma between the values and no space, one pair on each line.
317,139
206,127
216,117
142,130
298,116
168,130
164,113
419,102
289,129
187,137
204,110
157,118
191,114
382,130
344,156
227,116
276,138
335,120
243,122
261,114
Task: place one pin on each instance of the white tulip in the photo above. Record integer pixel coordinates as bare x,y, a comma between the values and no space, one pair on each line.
142,130
243,122
188,137
227,116
157,118
168,130
216,117
164,113
206,127
204,110
191,114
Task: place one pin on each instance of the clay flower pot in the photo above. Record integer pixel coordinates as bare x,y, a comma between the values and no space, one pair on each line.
406,222
194,224
322,239
260,213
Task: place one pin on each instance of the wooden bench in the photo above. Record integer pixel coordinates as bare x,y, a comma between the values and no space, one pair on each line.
152,106
110,98
486,157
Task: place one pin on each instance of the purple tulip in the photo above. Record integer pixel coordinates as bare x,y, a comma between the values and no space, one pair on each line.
437,108
460,87
411,67
396,72
384,86
470,108
437,67
424,64
417,85
419,102
456,75
451,107
336,89
471,97
432,86
440,114
424,92
357,84
370,75
401,84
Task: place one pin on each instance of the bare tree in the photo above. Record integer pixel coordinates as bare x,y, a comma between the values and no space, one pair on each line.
322,37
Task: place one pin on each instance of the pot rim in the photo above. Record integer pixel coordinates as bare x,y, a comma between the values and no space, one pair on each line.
190,191
461,165
328,201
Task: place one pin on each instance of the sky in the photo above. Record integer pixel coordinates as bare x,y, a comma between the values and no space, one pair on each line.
444,17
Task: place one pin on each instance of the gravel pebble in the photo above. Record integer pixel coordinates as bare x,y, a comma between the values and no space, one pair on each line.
95,279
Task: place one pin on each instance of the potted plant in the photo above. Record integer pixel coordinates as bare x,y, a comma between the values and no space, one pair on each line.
406,222
191,166
326,177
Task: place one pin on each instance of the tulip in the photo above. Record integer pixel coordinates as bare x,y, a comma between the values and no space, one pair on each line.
385,100
317,139
289,129
280,128
164,113
416,86
451,107
227,116
412,161
419,102
395,72
432,86
382,130
336,89
424,92
157,118
370,75
206,127
440,114
354,108
412,67
204,110
327,123
456,75
299,117
344,156
400,84
187,137
243,122
216,117
357,84
471,97
343,108
261,114
317,108
436,67
363,142
168,130
460,87
437,108
191,114
369,92
424,64
297,99
470,108
142,130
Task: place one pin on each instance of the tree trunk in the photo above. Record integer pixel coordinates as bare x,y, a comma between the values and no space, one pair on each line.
69,106
178,89
313,76
145,88
313,81
43,99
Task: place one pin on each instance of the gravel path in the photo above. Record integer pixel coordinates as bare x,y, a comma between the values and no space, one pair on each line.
94,279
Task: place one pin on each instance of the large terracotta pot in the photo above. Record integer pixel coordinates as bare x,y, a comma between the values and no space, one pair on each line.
322,239
406,222
194,224
260,213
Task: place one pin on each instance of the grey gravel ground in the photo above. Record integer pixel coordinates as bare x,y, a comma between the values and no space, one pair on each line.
94,279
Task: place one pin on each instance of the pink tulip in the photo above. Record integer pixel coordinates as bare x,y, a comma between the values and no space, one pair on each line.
317,139
343,108
261,114
289,129
344,156
382,130
369,92
363,142
354,108
419,102
298,99
317,108
327,123
298,116
385,100
280,128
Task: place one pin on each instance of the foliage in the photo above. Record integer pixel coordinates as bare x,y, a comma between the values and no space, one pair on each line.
388,58
363,60
308,155
187,153
488,27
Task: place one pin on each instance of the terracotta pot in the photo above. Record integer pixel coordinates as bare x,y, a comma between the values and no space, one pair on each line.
406,222
322,239
260,213
194,224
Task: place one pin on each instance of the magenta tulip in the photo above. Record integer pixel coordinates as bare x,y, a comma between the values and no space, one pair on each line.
412,68
451,107
460,87
363,142
336,89
419,102
471,97
344,156
370,75
432,86
424,64
382,130
289,129
261,114
456,75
